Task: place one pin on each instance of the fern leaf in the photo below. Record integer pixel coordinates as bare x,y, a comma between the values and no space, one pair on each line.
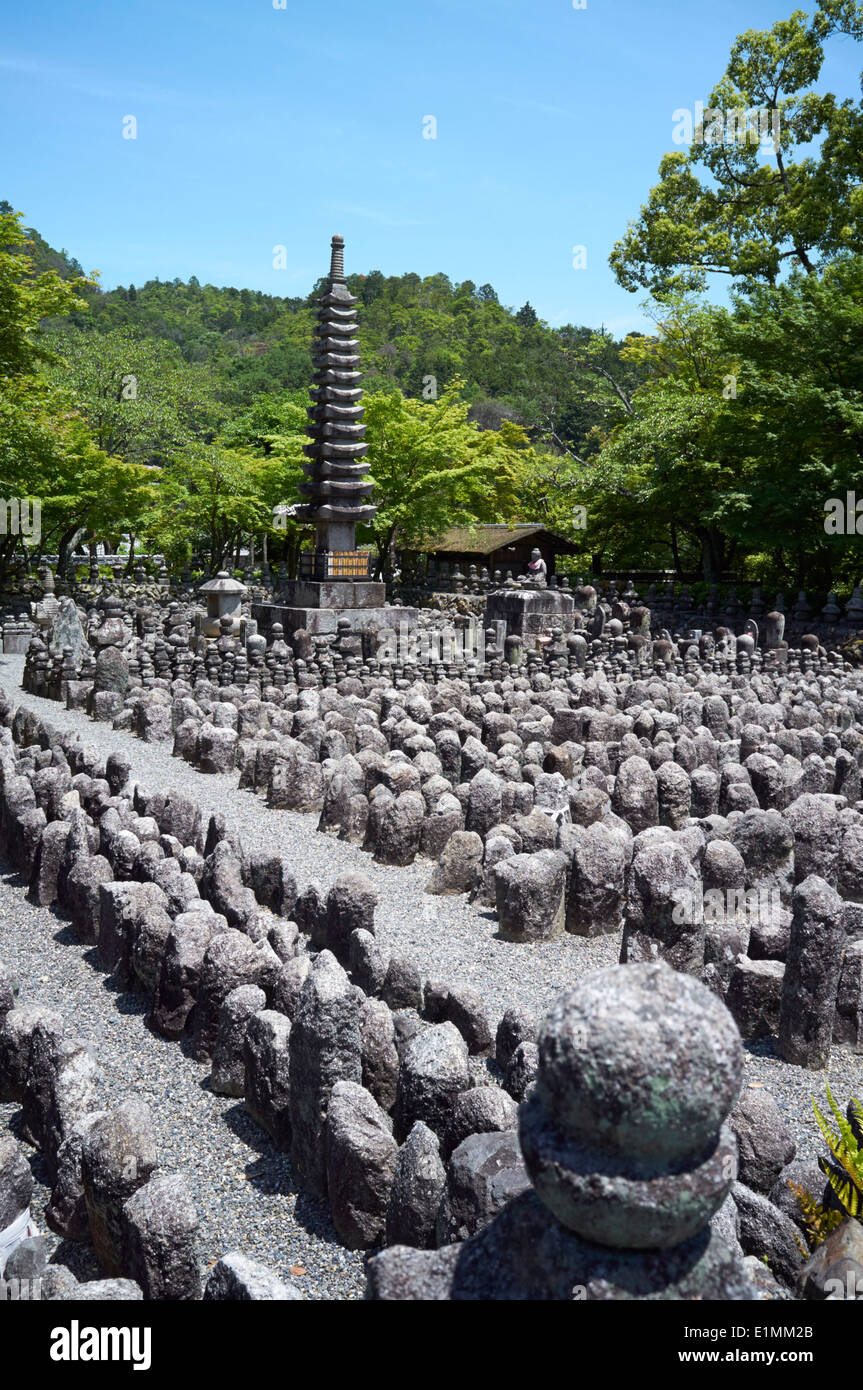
817,1220
832,1139
845,1131
845,1191
851,1167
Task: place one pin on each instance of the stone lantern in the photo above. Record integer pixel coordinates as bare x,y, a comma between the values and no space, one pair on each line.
224,597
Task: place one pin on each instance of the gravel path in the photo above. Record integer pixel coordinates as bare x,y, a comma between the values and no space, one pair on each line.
446,937
240,1183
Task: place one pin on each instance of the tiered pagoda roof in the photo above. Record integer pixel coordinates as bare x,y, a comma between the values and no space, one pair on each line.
337,483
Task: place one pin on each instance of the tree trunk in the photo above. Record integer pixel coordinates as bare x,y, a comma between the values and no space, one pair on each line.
292,553
63,550
7,550
215,556
386,554
675,551
712,553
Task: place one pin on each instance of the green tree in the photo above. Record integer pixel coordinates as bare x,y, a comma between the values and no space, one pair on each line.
750,421
90,491
432,469
26,298
797,429
722,206
140,399
275,426
283,367
46,450
209,498
663,478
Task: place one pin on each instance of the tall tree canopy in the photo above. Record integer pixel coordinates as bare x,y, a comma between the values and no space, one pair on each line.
433,469
751,209
46,450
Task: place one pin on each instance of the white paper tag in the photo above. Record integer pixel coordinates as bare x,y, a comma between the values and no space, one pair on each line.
22,1228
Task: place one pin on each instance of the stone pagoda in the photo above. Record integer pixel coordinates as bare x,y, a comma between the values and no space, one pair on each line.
337,477
334,583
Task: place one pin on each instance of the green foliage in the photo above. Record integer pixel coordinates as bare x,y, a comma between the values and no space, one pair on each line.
43,257
749,421
665,474
212,496
284,367
26,297
746,210
845,1172
141,400
798,429
92,490
46,450
818,1220
434,469
275,427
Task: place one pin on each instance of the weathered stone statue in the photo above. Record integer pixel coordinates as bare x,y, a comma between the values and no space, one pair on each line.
537,568
628,1147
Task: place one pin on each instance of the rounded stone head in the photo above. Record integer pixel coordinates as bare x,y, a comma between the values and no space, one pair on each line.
640,1061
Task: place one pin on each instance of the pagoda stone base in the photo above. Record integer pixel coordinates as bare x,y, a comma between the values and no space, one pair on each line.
531,612
333,593
16,639
321,619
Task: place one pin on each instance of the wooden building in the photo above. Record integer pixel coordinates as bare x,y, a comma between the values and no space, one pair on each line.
497,547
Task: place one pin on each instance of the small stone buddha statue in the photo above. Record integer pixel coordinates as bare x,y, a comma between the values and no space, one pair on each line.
537,569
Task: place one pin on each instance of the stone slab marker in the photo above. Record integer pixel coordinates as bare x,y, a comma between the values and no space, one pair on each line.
117,1157
325,1047
808,1006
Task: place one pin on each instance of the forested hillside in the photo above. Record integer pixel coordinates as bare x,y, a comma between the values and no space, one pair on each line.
720,444
412,330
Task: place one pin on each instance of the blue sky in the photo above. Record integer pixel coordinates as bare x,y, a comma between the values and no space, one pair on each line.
260,127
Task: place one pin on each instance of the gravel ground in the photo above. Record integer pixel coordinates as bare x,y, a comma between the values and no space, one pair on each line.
447,938
240,1183
242,1186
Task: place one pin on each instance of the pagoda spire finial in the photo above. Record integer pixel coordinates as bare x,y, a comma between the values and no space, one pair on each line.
337,260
